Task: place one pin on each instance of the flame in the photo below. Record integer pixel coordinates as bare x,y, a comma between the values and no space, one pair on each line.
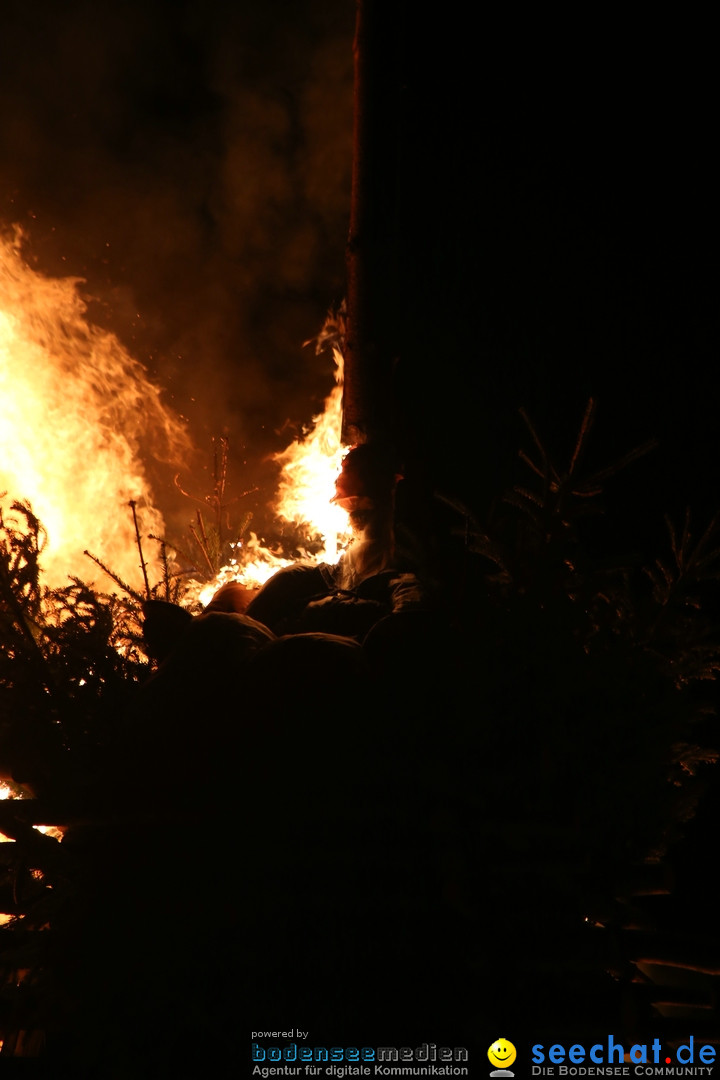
76,411
5,793
57,833
253,566
75,408
309,468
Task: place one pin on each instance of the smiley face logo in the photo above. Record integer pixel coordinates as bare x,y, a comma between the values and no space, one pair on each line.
502,1053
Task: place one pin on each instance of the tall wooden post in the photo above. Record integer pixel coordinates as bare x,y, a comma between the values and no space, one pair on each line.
372,244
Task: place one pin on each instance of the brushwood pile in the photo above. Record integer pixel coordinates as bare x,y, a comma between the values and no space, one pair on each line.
388,800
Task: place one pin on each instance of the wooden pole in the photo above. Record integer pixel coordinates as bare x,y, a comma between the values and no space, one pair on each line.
371,339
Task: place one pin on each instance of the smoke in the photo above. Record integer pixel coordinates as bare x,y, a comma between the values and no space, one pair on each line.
191,162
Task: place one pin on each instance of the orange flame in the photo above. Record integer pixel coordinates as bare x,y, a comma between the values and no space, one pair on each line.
74,410
309,468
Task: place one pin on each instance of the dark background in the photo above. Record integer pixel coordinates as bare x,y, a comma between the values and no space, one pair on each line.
552,184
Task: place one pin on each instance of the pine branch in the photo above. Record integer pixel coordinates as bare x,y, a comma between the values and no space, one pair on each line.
133,507
116,578
585,426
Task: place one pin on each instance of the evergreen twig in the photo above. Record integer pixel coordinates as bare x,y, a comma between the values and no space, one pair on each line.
133,506
116,578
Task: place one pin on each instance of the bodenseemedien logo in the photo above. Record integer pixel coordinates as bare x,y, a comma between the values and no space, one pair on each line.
319,1062
502,1054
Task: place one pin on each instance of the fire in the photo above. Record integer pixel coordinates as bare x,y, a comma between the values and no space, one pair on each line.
309,468
253,566
49,830
7,792
75,408
76,413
